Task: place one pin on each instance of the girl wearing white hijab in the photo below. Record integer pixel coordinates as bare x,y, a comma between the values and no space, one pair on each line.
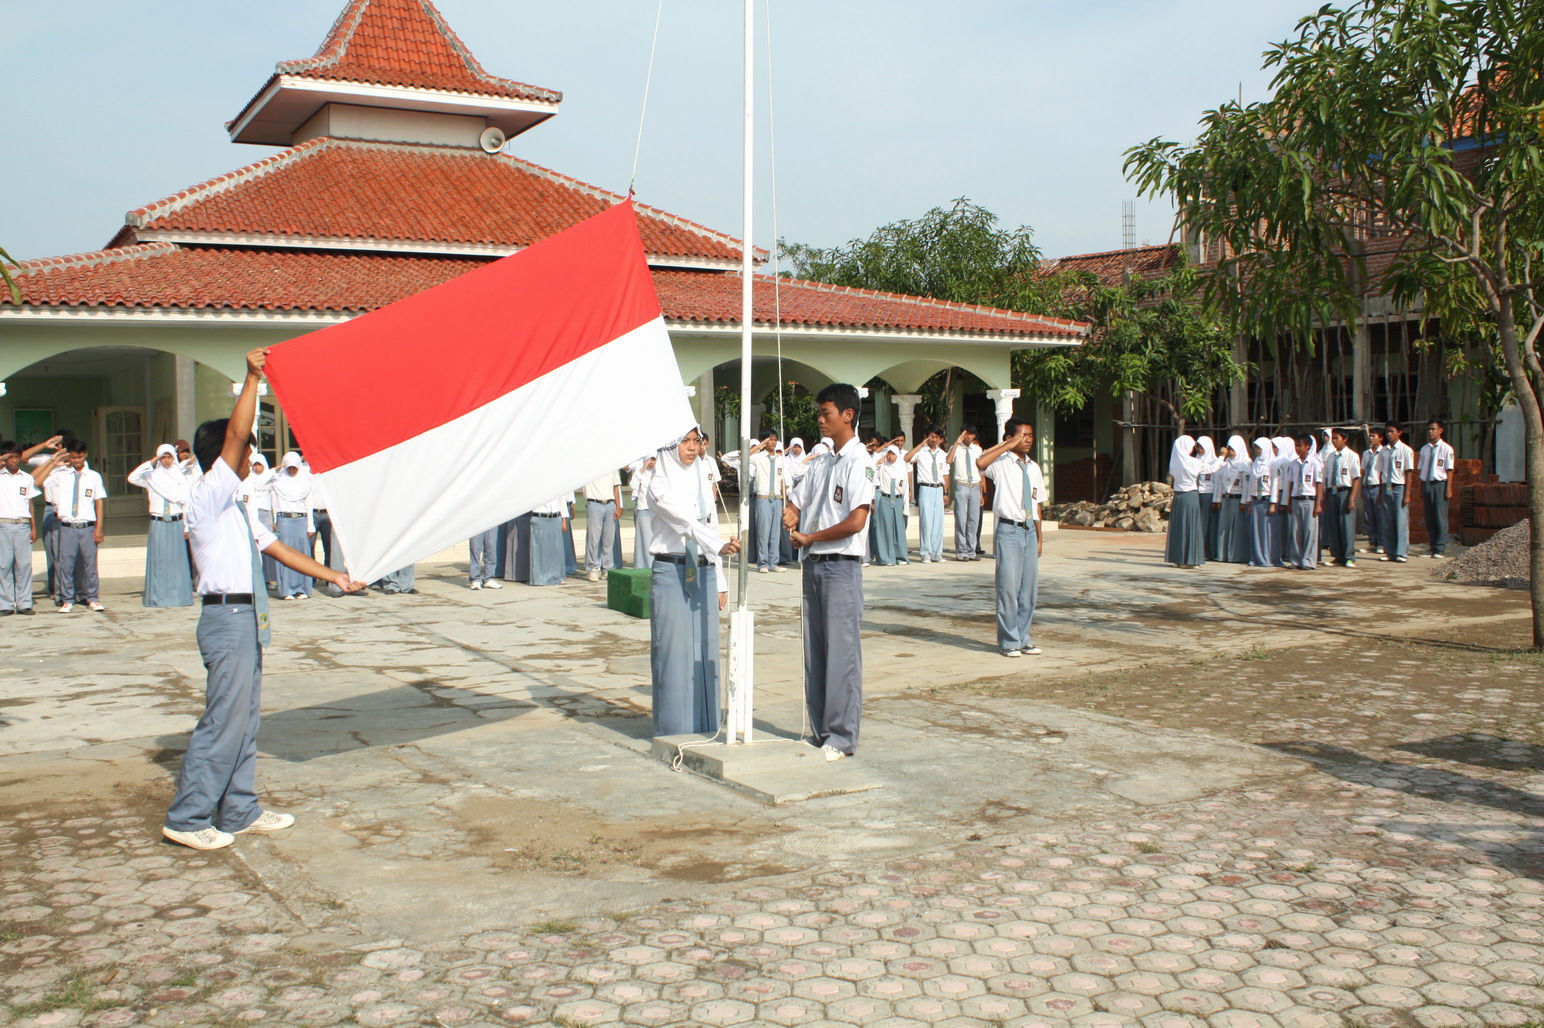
254,496
1281,499
1232,518
1258,486
168,574
290,494
889,531
1185,547
686,592
1206,485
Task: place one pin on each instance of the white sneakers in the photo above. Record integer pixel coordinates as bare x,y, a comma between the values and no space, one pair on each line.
1012,653
269,821
476,585
493,583
212,838
66,608
832,753
202,839
96,606
593,576
1031,651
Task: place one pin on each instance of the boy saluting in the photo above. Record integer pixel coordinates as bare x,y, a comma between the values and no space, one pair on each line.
217,787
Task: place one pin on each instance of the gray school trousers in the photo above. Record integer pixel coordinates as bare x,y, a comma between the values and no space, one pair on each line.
218,781
833,651
1434,496
967,519
1302,533
1395,528
16,567
75,576
1018,583
600,534
1339,523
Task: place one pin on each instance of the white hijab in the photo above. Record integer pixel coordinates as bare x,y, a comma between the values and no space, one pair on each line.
1182,465
684,485
1208,448
170,484
1262,461
1240,450
257,481
294,488
1284,448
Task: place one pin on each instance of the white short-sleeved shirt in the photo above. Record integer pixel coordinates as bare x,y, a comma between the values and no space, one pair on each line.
964,467
932,465
1007,474
72,503
1306,474
836,485
1372,466
1436,461
600,490
221,538
767,473
1347,465
1398,462
16,492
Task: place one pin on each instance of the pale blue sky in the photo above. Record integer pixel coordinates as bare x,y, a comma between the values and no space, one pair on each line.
883,109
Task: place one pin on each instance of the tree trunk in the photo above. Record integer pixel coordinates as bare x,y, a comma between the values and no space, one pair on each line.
1526,391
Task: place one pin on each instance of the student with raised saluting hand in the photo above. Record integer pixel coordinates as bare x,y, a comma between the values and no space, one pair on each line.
1019,490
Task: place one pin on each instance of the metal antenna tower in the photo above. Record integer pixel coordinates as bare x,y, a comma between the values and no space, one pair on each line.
1128,224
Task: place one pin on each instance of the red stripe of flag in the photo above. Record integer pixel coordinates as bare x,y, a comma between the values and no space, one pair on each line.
384,377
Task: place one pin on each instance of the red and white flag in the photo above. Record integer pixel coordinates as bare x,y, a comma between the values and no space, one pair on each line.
452,411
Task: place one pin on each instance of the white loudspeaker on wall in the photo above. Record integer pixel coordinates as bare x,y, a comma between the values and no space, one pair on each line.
492,139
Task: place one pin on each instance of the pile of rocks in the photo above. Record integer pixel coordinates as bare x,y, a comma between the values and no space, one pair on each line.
1143,507
1500,560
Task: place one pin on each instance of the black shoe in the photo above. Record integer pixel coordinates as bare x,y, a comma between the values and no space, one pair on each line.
6,613
28,612
411,592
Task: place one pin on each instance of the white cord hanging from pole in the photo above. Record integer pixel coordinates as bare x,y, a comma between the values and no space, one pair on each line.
632,178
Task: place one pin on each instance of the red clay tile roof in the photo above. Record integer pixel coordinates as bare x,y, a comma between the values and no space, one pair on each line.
344,189
404,43
1112,267
164,275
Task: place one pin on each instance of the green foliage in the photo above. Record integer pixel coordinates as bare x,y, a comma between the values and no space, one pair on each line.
798,413
5,276
726,402
1154,337
1148,337
1366,147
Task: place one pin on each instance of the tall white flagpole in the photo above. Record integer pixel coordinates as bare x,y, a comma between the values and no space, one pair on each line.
742,619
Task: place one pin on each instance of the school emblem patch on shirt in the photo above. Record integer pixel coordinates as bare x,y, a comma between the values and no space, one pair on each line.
837,496
870,472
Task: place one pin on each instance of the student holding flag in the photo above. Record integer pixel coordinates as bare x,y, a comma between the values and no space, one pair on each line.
217,787
683,627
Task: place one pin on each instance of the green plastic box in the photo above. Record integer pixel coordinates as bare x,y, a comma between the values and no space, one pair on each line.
627,590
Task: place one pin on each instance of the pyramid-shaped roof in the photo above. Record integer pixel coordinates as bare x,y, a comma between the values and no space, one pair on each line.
389,53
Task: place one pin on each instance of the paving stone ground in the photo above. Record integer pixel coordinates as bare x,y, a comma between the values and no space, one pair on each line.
1397,881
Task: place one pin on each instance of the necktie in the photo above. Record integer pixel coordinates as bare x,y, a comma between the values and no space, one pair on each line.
1028,494
1335,468
75,499
259,587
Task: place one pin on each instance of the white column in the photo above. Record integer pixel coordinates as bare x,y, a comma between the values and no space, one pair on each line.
1003,399
186,378
705,401
906,404
1045,447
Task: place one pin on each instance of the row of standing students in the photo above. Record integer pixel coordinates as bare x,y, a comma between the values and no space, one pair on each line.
1283,500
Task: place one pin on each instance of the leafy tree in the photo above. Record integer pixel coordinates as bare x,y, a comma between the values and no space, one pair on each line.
5,276
1410,126
798,416
1151,337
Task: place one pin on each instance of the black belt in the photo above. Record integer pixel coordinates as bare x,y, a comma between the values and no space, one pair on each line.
602,503
680,558
287,514
166,517
1010,521
930,485
546,515
1233,496
218,599
816,558
76,524
1340,489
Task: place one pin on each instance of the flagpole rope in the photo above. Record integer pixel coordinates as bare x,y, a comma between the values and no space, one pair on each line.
777,301
632,179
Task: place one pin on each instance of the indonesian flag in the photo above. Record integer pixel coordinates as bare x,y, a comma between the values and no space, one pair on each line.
445,414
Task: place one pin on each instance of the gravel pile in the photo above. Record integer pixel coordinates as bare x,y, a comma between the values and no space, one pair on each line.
1500,560
1143,507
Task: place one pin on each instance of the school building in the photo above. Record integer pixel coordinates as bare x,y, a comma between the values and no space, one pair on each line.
389,173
